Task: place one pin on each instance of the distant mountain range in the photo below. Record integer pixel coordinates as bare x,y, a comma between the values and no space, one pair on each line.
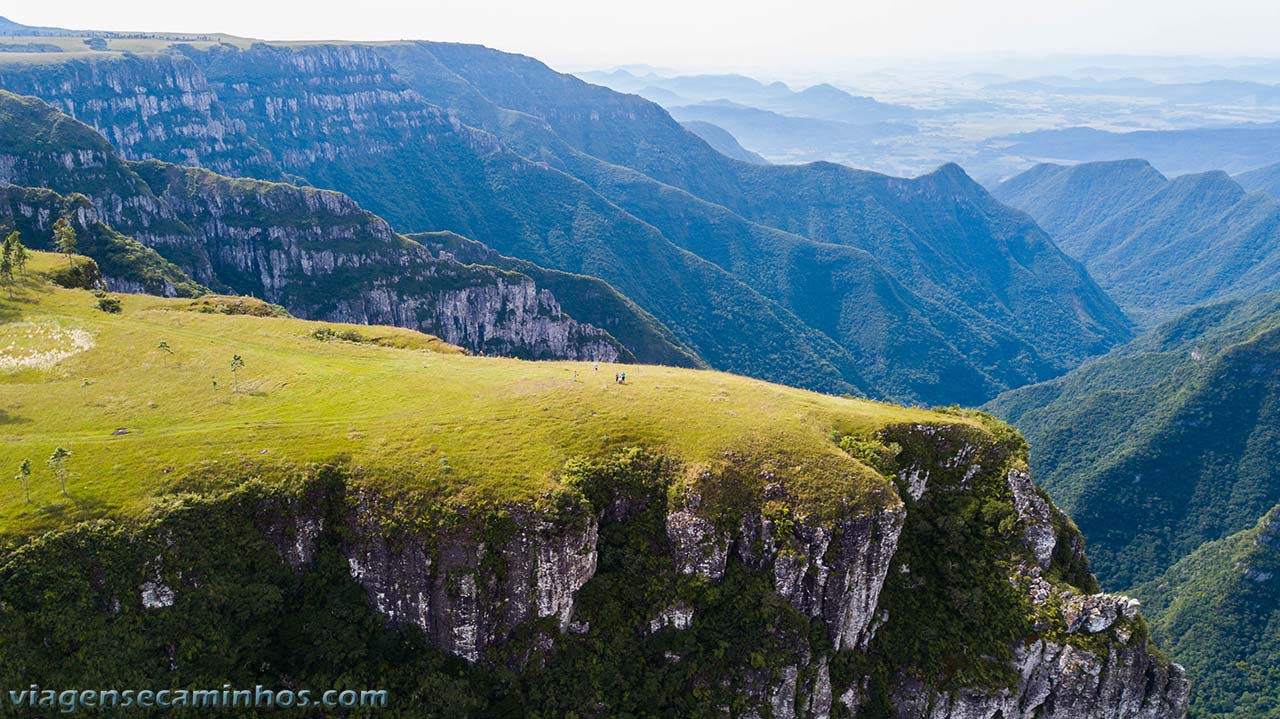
818,276
821,102
817,123
784,138
1211,92
1174,152
1158,246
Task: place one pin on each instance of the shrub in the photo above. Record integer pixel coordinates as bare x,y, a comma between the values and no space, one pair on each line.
876,454
325,334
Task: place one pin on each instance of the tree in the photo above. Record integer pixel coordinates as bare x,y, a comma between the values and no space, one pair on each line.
24,477
18,251
165,351
237,364
64,238
58,463
13,256
6,268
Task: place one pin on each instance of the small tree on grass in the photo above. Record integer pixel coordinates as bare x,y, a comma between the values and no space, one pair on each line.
24,478
18,251
64,238
237,364
6,268
58,463
165,351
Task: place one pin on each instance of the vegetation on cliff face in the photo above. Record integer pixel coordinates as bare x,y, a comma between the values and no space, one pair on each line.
127,263
1167,442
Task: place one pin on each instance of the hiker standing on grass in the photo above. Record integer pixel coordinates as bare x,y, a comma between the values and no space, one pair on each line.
616,377
575,375
624,378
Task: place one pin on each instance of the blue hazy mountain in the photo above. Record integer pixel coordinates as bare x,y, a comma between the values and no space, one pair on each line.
823,101
723,141
1264,179
1157,246
1173,152
786,138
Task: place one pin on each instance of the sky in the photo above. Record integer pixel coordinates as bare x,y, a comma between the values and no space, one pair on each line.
788,35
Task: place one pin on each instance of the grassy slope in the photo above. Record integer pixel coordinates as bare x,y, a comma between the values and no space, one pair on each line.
1165,443
456,428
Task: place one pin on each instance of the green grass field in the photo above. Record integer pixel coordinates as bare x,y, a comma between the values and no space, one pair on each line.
410,411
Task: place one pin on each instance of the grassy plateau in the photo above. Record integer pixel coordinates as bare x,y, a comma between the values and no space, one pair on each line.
406,410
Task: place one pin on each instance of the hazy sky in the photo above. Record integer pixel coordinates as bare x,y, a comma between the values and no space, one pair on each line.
785,34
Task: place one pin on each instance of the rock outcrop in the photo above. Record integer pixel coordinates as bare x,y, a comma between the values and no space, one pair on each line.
1057,681
832,573
178,118
464,593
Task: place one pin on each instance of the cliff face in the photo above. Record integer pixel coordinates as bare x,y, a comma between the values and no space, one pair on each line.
721,587
320,255
1058,681
149,106
153,226
466,594
520,587
127,265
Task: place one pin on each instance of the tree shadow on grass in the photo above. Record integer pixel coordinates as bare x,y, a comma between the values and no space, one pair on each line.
75,507
24,296
7,418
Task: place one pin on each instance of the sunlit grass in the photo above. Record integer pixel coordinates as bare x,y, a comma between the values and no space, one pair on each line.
419,414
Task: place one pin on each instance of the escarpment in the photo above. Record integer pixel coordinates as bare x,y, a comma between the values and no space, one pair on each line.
320,255
951,589
177,119
174,231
